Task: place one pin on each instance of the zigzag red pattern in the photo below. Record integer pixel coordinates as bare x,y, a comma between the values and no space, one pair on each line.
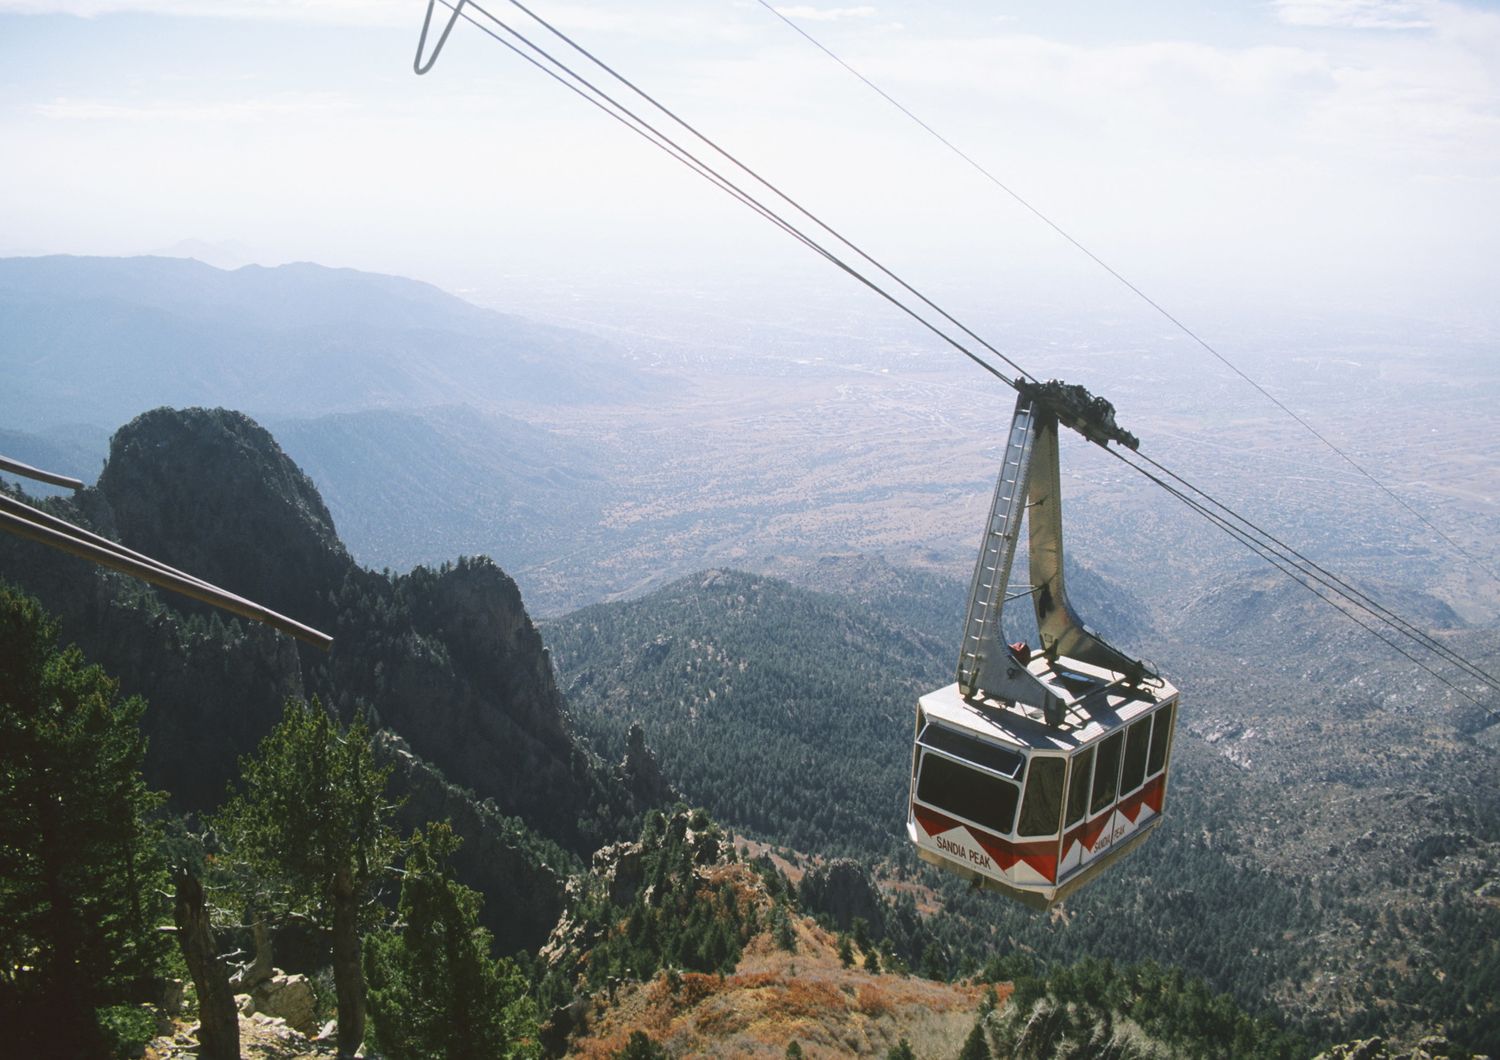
1087,833
1041,856
1150,795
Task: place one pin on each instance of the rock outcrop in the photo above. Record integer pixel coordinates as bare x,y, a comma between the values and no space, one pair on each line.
210,492
447,658
642,775
287,997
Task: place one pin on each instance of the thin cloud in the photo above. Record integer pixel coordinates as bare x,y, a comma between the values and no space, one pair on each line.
336,12
1354,14
217,113
825,14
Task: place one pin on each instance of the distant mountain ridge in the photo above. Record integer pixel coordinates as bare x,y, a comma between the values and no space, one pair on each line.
424,485
100,340
409,486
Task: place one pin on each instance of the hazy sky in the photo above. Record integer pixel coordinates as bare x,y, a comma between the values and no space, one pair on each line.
1254,154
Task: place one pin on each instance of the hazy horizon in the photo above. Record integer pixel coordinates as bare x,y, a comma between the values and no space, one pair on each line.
1260,159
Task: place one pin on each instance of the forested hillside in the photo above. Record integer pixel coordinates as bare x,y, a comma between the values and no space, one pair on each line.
777,709
1329,870
1316,944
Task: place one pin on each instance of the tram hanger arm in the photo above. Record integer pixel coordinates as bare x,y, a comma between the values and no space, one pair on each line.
1029,486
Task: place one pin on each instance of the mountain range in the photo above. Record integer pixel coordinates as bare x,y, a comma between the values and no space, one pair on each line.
763,608
100,340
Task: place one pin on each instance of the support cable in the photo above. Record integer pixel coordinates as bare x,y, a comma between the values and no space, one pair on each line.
1276,560
609,105
1287,560
764,182
1138,292
1336,583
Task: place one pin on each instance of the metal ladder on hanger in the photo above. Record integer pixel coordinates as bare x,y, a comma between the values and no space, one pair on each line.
992,572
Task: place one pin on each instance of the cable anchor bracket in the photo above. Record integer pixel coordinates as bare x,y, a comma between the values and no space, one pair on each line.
417,64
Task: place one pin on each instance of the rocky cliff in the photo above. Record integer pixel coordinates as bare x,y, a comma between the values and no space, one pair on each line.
447,659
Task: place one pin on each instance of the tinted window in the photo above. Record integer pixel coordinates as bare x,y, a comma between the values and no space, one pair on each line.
1078,786
1161,732
1106,772
1044,794
1135,755
972,750
981,798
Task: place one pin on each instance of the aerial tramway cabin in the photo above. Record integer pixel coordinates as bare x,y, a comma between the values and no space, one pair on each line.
1039,768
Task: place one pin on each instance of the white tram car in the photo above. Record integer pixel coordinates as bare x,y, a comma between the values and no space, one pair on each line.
1037,770
1034,810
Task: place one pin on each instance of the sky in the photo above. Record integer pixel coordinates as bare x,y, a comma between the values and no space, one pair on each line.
1245,156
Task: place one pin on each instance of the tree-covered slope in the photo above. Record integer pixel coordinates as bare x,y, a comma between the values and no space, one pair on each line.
773,706
1325,847
446,658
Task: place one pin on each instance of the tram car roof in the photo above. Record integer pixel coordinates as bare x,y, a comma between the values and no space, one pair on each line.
1097,702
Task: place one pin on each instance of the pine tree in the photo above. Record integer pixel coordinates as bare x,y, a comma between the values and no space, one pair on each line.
79,875
313,820
846,952
434,991
641,1047
782,930
975,1046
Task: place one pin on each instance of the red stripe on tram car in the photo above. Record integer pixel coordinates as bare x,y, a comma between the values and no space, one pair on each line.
1150,795
1088,833
1041,856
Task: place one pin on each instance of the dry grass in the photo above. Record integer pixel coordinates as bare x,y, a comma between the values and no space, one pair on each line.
793,869
775,997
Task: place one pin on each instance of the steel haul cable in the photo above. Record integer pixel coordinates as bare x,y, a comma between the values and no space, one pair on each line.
1285,559
1137,291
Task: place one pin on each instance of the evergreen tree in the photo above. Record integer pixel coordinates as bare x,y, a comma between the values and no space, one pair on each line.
934,964
313,820
860,929
782,929
975,1046
902,1050
641,1047
846,952
434,991
79,876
